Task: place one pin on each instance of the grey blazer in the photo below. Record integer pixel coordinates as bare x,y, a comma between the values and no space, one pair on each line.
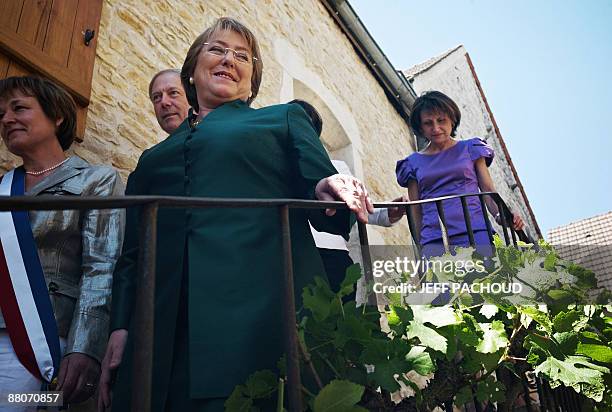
78,250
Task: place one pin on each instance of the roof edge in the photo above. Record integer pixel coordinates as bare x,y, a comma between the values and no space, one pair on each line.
503,145
429,63
393,81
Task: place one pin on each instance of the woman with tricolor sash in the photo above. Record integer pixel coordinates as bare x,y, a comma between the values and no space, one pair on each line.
55,266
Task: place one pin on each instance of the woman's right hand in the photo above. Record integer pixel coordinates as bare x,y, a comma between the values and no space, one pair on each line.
517,221
348,189
110,363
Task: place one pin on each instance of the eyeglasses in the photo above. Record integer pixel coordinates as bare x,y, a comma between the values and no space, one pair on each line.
240,56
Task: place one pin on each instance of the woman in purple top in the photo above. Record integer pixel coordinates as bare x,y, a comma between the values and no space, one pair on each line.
447,167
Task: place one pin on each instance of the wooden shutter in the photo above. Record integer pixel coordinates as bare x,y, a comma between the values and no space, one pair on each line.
47,37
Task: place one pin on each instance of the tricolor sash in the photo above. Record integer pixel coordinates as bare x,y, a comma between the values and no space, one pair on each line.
24,298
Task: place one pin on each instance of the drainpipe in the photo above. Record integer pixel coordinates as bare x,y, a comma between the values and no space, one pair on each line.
393,81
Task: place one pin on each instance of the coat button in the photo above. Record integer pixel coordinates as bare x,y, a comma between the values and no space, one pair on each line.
53,287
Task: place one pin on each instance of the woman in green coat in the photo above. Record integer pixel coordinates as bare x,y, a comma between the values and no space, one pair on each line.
218,305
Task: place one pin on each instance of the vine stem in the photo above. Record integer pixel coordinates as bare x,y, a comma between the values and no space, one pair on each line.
504,356
306,391
281,395
321,345
328,363
308,360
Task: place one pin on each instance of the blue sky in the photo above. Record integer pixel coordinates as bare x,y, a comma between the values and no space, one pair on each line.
546,69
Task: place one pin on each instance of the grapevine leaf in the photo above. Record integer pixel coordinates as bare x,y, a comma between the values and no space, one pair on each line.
353,274
577,372
463,396
339,395
542,346
261,384
384,373
375,351
438,316
586,278
561,296
405,314
550,262
598,353
494,337
318,299
540,317
534,274
469,332
392,318
351,329
490,361
238,401
488,311
395,298
564,321
490,390
567,341
420,361
427,336
589,337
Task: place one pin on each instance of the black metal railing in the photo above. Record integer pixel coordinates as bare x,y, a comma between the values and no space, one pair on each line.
508,231
144,319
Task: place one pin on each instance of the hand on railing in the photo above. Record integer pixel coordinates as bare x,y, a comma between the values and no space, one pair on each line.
347,189
517,221
112,360
396,213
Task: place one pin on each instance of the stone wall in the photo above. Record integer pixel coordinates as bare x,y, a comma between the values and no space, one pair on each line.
452,75
305,54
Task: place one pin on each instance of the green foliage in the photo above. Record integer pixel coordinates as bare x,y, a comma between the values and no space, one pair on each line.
576,372
361,355
339,396
494,337
260,385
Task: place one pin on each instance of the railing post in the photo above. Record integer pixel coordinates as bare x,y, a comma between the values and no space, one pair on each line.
413,228
294,382
486,217
468,222
366,259
144,317
504,222
445,239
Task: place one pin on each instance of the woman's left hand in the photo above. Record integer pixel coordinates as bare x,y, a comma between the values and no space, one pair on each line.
517,222
78,377
347,189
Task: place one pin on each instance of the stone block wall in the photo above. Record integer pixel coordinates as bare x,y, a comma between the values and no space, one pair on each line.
137,38
452,75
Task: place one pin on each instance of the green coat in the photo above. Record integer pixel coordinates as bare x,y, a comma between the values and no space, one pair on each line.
235,266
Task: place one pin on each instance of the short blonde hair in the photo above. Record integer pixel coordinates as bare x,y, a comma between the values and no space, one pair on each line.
191,60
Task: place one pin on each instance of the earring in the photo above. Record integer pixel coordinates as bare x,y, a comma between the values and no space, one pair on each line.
191,80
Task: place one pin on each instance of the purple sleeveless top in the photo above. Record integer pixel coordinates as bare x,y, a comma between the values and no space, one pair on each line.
450,172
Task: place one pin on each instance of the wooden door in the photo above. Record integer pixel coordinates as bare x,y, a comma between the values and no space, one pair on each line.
52,38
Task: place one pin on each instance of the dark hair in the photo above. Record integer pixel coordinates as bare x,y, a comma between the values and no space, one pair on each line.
161,73
315,117
434,101
191,60
55,102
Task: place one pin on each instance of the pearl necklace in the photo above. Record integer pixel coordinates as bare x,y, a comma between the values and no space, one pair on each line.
48,169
